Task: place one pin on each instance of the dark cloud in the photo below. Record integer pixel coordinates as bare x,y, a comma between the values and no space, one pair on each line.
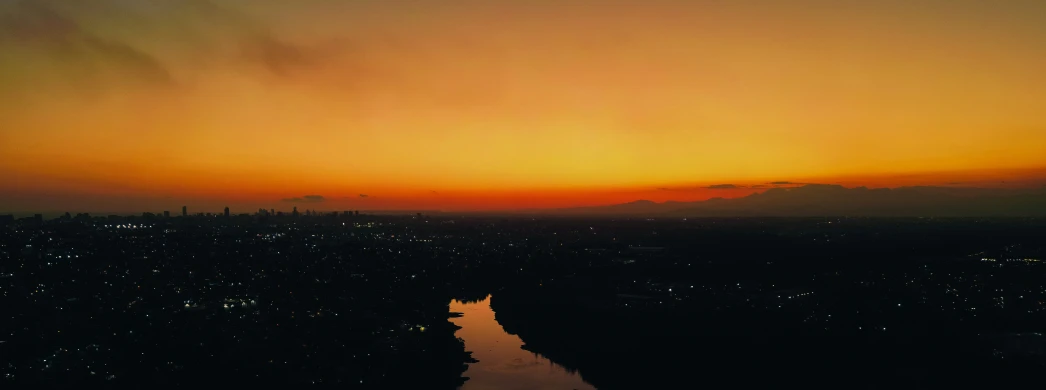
790,184
277,56
712,187
37,24
57,30
260,45
364,196
209,34
137,63
306,199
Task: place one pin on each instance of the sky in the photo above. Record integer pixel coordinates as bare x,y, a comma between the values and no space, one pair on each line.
127,105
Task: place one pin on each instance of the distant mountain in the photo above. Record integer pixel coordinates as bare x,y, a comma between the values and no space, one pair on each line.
833,200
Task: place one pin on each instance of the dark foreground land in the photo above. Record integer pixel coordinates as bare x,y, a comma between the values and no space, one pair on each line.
362,301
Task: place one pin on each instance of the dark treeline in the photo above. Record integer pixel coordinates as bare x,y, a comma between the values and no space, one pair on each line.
876,303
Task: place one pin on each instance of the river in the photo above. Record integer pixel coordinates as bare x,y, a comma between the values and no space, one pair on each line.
503,365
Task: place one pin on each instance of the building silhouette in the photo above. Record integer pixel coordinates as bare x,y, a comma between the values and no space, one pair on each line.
226,212
294,213
185,211
166,214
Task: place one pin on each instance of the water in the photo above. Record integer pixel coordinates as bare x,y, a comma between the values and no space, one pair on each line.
503,365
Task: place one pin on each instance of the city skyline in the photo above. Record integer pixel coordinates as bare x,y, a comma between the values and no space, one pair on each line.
483,106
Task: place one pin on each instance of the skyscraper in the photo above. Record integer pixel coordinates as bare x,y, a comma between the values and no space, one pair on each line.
185,211
166,214
226,212
294,213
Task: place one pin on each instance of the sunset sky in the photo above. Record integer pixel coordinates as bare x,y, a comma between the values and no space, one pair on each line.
133,105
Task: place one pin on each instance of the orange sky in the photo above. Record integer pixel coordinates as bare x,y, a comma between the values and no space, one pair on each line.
509,104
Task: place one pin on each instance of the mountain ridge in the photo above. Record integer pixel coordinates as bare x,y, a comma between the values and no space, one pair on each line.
836,200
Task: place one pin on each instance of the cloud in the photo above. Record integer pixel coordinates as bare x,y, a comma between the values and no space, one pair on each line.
283,58
64,40
364,196
259,44
306,199
789,183
66,36
701,188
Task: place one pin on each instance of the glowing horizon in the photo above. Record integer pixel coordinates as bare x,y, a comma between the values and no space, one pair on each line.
470,105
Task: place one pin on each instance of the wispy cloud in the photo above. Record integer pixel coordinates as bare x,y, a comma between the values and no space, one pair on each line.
788,184
724,187
702,188
40,24
306,199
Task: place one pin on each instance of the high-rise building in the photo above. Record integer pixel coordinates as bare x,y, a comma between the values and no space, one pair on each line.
185,211
166,214
357,213
294,213
226,212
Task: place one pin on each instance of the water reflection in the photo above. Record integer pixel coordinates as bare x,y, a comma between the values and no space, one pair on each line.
502,363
